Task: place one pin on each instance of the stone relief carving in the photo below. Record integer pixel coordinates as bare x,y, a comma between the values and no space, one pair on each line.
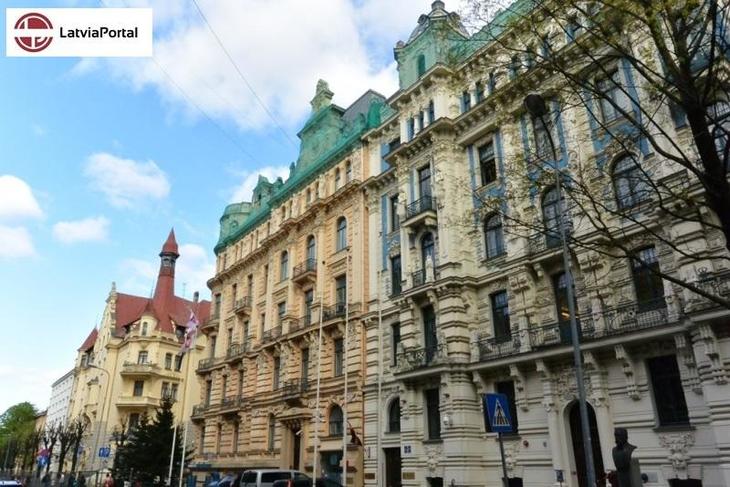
433,456
678,446
565,385
510,456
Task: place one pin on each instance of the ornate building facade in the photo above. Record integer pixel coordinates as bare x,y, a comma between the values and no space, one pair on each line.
463,302
127,366
282,384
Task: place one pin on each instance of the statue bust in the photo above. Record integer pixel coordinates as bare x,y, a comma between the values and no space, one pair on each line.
628,472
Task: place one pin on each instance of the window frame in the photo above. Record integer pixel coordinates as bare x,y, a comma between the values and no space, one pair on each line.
494,245
341,233
394,416
335,425
633,176
667,391
432,408
501,325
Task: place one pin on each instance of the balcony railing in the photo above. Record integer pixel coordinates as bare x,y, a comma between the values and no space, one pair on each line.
548,239
242,305
616,321
294,388
426,203
234,350
207,363
135,368
716,284
271,334
309,265
232,402
418,277
420,357
335,311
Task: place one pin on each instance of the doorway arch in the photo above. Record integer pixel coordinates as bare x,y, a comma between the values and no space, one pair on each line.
577,444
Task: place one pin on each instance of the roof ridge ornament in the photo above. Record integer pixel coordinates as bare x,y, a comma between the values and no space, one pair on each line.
322,97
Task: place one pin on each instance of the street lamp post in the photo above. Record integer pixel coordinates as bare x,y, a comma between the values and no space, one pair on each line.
535,105
94,452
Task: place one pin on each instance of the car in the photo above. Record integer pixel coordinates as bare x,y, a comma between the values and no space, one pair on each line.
268,477
306,482
10,483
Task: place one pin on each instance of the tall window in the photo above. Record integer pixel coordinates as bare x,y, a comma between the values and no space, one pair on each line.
433,415
173,392
165,390
168,361
142,358
394,416
311,252
348,171
234,441
338,178
277,372
144,329
134,421
424,182
339,357
550,216
224,386
395,275
666,385
420,65
542,133
202,435
508,389
427,249
500,316
647,284
395,341
431,112
335,421
240,383
421,120
394,218
465,101
208,391
234,293
138,388
610,96
284,266
217,300
629,183
308,300
430,336
266,278
341,233
560,287
341,291
305,366
479,91
178,362
493,236
272,433
411,127
281,311
249,285
487,163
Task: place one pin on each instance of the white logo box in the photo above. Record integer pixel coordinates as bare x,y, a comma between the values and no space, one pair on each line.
82,32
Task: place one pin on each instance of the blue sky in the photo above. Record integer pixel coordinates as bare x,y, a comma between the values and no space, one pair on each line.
99,158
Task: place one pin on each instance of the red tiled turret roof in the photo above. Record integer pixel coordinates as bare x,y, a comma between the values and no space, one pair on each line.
170,245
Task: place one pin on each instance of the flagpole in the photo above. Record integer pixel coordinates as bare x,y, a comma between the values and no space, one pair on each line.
344,402
172,455
378,467
182,411
319,377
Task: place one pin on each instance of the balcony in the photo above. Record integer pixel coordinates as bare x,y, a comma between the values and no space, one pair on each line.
332,312
133,369
211,324
612,322
548,240
198,411
242,306
713,283
421,212
271,334
420,357
293,390
137,402
235,351
230,405
305,273
207,364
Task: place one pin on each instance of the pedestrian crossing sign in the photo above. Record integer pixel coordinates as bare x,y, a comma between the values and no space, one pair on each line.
496,411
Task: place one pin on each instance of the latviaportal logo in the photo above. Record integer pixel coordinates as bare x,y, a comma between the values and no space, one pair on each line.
39,32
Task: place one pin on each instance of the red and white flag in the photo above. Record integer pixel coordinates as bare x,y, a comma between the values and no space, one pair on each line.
191,331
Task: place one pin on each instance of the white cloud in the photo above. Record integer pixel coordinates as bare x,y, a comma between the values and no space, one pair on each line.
17,200
193,269
281,47
27,383
244,190
86,230
15,242
126,182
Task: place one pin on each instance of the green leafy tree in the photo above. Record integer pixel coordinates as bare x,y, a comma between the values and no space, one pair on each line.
146,453
16,424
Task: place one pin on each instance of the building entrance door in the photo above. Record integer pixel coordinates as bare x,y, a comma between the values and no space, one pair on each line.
577,440
296,449
392,467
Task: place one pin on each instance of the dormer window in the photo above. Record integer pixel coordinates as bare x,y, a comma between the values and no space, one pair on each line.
144,329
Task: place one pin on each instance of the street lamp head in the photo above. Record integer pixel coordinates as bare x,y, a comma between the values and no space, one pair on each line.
535,105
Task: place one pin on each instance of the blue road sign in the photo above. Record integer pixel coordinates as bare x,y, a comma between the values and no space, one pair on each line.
496,408
104,452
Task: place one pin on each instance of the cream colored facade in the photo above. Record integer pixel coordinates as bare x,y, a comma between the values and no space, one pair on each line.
436,334
286,326
129,365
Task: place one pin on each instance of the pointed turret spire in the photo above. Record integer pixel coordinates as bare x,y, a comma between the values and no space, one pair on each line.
170,245
165,287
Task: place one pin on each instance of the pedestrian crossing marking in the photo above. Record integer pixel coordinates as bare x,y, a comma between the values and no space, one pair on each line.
499,419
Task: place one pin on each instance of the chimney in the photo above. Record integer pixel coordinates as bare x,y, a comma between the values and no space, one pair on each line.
196,295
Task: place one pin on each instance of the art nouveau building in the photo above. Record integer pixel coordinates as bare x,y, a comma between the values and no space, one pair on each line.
127,366
463,303
282,384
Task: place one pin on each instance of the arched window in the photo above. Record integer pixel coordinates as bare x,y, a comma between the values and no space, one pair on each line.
335,421
338,178
394,416
341,233
311,253
493,236
629,183
427,249
550,219
420,65
284,266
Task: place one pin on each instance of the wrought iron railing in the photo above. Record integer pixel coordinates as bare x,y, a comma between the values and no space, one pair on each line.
548,239
234,350
271,334
418,278
419,357
716,284
309,265
294,387
336,311
425,203
206,363
242,304
230,402
495,347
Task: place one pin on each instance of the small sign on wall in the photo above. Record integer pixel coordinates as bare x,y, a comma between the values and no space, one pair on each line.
407,450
